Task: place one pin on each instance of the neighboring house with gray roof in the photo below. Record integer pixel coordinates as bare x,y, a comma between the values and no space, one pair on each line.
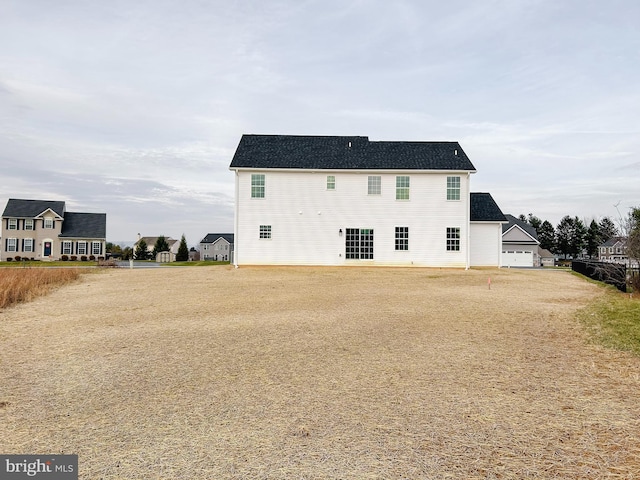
613,250
519,244
346,200
44,230
217,247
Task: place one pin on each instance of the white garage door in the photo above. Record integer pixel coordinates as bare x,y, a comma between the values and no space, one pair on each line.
517,259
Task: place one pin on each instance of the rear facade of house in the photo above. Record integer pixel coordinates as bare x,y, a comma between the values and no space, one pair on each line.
44,230
309,200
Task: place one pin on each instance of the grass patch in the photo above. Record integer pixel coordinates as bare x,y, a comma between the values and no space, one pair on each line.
24,284
614,320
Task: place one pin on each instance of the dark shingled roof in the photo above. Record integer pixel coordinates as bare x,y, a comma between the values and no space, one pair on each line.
84,225
523,225
212,237
485,209
346,153
17,208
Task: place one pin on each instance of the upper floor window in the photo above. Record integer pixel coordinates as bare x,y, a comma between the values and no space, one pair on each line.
331,182
13,224
453,188
48,223
402,187
374,185
28,224
257,185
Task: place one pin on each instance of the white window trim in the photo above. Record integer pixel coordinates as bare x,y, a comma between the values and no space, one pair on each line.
15,245
31,247
13,224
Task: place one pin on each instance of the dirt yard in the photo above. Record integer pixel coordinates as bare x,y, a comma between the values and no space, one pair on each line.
277,373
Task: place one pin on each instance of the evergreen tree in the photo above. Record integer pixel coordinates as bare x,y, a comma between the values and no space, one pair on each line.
546,235
534,221
160,246
141,252
183,251
608,229
633,240
570,236
593,239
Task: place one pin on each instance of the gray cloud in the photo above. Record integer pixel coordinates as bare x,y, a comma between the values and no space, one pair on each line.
135,108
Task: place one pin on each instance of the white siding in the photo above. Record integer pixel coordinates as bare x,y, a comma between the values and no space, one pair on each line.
486,244
306,218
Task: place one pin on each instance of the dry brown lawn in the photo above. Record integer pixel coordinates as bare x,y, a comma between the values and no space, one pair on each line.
305,373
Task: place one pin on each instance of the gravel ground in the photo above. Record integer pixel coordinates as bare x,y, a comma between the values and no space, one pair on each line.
372,373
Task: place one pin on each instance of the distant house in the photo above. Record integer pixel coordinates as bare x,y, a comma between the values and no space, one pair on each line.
163,257
44,230
346,200
547,259
613,250
217,247
519,244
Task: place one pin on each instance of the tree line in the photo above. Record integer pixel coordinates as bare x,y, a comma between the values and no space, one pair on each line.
572,238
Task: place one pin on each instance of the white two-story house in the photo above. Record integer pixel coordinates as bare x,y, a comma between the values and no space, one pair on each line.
327,200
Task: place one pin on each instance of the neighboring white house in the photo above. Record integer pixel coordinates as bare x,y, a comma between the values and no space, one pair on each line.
520,244
314,200
217,247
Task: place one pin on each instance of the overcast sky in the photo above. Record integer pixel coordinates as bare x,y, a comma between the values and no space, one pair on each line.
135,108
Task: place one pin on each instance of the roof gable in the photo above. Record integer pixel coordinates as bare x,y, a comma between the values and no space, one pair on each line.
485,209
213,237
346,153
18,208
518,231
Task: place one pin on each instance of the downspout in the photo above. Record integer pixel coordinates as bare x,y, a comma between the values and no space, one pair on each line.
468,221
235,222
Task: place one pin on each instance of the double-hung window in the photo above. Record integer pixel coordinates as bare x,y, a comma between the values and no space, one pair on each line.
96,248
453,188
28,224
453,239
257,185
402,238
331,182
12,244
82,248
67,248
402,187
28,245
374,186
48,223
13,224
